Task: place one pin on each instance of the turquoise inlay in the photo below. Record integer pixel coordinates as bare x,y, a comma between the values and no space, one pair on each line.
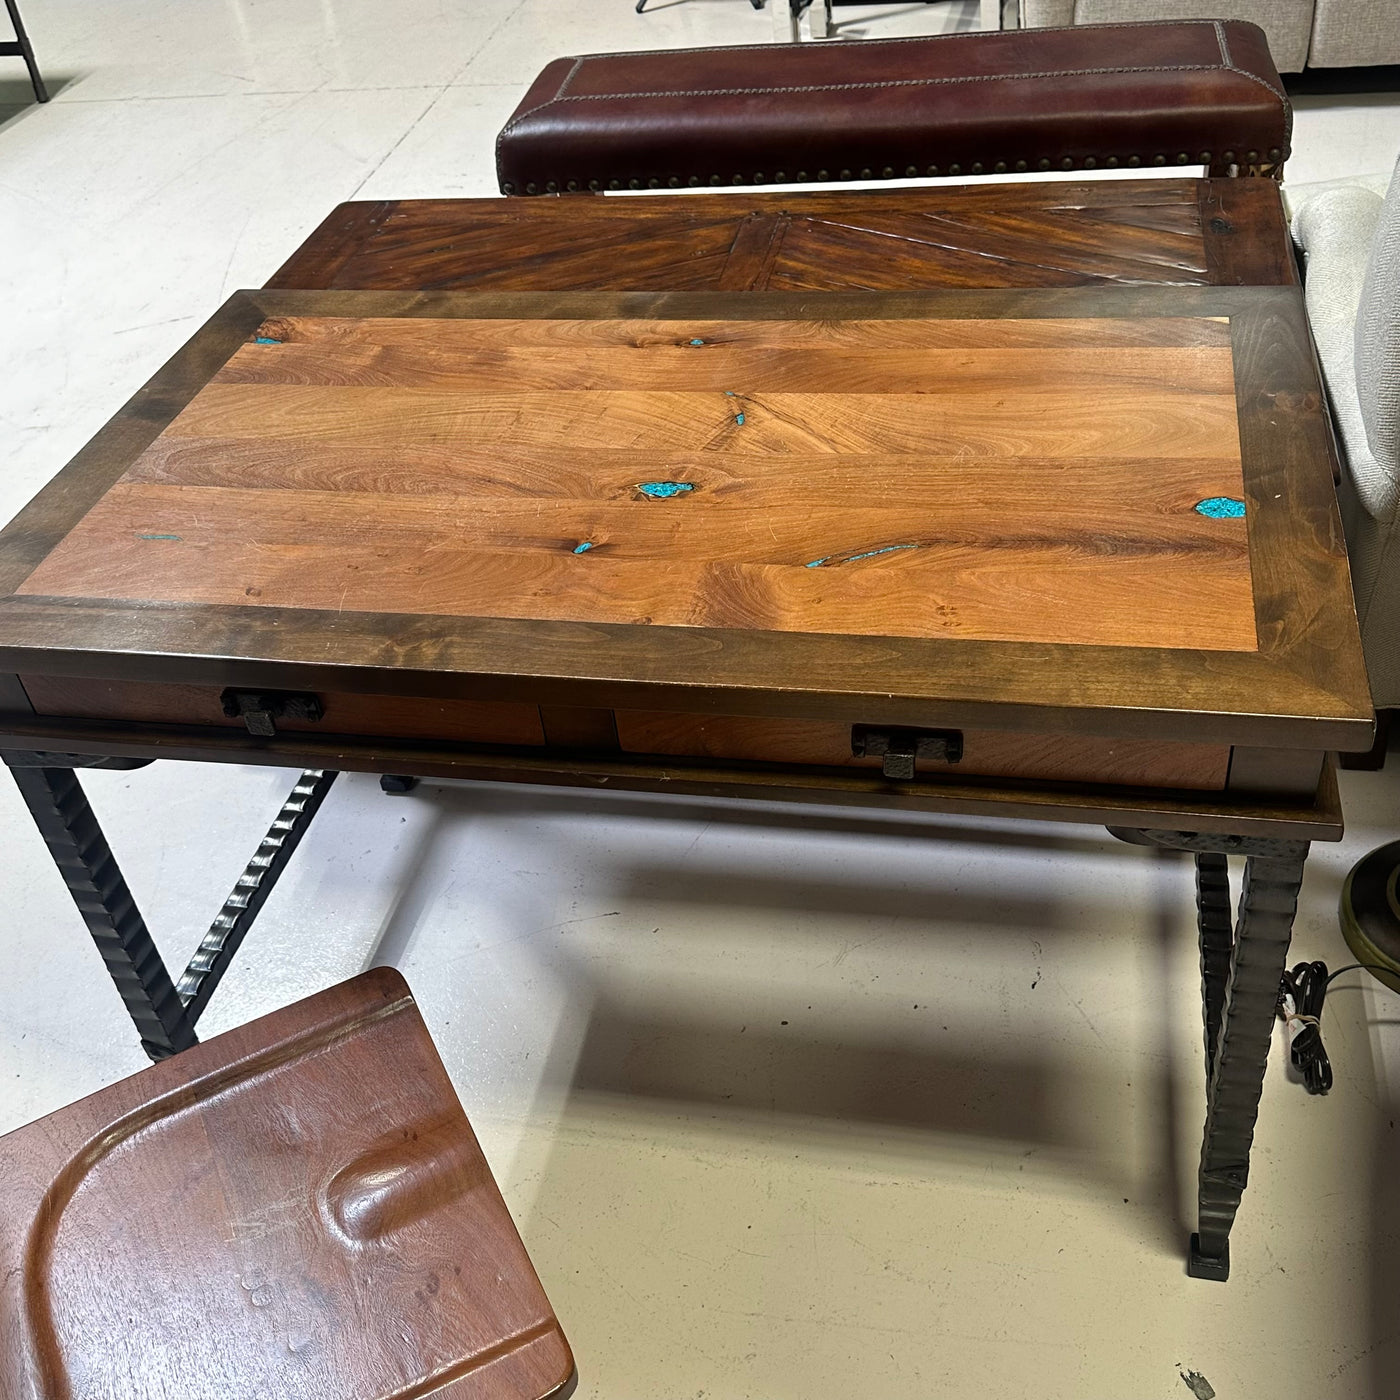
1220,508
697,342
739,419
160,537
664,490
584,547
267,340
854,558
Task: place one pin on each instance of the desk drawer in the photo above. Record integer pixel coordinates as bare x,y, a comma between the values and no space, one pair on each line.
986,753
379,716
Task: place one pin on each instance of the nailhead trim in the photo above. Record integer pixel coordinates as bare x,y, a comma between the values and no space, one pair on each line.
888,172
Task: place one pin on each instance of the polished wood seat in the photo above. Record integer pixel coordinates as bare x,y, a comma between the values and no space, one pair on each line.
297,1209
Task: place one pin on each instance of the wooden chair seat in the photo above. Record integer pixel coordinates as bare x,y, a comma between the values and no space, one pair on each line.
297,1209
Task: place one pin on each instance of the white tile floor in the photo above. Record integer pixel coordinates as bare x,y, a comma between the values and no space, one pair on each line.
787,1103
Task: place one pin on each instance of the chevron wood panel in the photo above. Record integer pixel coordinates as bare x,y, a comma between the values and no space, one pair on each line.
1061,233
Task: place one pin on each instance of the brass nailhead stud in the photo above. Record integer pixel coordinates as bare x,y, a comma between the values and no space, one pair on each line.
779,177
595,184
844,175
1204,157
1274,153
737,180
888,172
1021,165
634,184
955,169
999,168
715,180
653,184
866,173
693,181
1183,158
802,175
933,170
531,188
571,186
1159,160
1230,157
1135,161
1067,164
1043,165
674,182
976,167
1254,155
551,188
508,188
1089,162
758,177
823,175
1112,162
911,169
614,184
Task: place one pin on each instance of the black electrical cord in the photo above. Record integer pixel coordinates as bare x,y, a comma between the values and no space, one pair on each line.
1307,985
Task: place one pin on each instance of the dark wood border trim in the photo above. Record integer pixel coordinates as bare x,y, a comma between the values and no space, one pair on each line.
336,240
1305,688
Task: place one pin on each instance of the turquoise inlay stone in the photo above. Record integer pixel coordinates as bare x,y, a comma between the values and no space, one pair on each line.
664,490
267,340
584,547
697,342
739,419
854,558
160,537
1220,508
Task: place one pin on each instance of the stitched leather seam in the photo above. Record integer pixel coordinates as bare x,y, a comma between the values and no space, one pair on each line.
930,38
1230,63
897,83
519,117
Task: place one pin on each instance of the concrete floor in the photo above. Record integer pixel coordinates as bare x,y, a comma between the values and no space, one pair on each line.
786,1103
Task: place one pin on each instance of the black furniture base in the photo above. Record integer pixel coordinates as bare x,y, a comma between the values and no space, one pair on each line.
163,1011
22,48
1242,962
1242,958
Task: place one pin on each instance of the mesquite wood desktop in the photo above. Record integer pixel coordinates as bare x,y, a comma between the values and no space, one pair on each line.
1060,551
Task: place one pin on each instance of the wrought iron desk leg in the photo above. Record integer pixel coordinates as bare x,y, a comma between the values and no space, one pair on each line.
25,50
164,1011
1240,972
60,809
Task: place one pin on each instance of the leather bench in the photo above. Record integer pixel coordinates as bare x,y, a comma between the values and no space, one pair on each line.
1192,92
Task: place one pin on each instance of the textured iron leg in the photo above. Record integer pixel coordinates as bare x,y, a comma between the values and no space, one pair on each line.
248,896
1267,906
1217,929
1243,972
25,50
60,809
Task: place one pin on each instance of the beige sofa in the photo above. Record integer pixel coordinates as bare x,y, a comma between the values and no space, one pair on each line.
1350,239
1325,34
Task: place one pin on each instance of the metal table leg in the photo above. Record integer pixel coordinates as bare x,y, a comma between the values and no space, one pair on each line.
22,48
163,1011
1240,972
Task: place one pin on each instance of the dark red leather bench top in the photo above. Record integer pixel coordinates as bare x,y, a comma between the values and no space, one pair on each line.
1093,96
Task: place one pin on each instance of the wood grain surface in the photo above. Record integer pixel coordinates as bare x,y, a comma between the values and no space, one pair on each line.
392,716
1303,687
1051,234
298,1209
986,753
999,479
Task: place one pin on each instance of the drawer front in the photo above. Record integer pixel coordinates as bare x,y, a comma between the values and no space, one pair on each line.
379,716
986,753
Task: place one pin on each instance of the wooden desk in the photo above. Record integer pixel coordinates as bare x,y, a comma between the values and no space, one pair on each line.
1024,541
